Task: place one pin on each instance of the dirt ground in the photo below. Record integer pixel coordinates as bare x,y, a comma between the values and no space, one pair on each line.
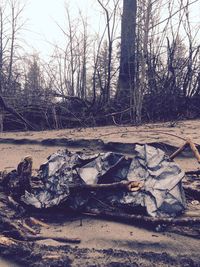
106,243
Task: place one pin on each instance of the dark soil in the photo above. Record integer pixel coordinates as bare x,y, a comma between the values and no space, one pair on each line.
32,254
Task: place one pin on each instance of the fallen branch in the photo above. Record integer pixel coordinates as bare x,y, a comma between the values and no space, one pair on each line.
194,149
12,229
29,229
59,239
117,113
178,151
192,146
146,131
14,113
195,172
5,241
124,185
193,192
86,103
38,222
18,232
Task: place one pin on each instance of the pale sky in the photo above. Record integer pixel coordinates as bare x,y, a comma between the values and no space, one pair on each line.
42,16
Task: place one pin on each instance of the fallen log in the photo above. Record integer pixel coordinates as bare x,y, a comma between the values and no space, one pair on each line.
142,219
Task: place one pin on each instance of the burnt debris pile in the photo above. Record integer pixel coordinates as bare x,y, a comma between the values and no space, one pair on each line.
147,182
146,188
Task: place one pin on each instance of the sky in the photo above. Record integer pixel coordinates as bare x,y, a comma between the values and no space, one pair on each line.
42,17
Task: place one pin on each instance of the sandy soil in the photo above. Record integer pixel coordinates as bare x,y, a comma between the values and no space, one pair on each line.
159,132
98,236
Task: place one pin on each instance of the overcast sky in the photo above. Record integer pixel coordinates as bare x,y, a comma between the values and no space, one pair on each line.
42,16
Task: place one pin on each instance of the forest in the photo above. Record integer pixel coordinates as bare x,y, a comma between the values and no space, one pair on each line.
142,66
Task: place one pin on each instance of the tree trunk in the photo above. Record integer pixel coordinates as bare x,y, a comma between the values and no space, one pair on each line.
141,85
127,59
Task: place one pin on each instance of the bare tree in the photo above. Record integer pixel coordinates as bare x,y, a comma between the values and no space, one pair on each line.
10,25
111,27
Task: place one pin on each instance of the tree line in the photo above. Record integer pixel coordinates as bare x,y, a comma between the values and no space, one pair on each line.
142,66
